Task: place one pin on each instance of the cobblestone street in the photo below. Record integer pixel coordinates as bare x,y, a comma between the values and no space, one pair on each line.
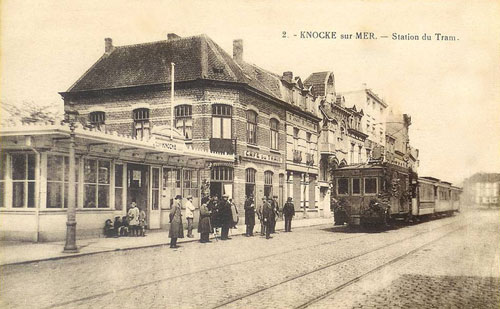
430,264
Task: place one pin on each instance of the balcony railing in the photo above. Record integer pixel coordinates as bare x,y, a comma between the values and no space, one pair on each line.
297,156
223,145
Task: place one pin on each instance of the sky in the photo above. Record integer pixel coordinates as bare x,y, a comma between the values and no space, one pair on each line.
451,89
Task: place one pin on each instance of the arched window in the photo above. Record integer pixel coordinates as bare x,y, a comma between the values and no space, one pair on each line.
221,121
184,120
274,124
142,126
251,127
97,119
250,182
268,183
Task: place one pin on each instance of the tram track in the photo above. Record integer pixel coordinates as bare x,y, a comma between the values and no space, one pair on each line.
380,267
203,270
348,283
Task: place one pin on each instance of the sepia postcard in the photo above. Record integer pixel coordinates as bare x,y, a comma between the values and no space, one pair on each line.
250,154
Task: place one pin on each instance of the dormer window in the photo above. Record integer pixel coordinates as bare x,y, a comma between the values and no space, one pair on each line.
97,119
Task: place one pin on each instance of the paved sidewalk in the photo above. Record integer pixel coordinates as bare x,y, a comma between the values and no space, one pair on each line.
24,252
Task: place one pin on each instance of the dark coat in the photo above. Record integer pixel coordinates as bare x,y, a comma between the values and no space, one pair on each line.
267,213
225,214
204,225
288,209
213,206
176,229
249,212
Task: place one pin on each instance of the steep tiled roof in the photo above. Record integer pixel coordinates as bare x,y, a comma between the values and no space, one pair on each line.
149,63
196,57
318,81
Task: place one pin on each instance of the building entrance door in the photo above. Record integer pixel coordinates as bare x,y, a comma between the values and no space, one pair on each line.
138,186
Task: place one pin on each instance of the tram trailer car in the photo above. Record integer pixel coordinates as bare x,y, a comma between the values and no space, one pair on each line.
375,193
436,197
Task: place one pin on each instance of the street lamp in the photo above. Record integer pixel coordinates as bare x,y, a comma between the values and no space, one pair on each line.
70,117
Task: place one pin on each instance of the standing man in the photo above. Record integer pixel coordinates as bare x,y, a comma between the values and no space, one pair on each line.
288,213
133,219
276,213
176,229
249,215
259,210
204,227
225,217
190,215
267,213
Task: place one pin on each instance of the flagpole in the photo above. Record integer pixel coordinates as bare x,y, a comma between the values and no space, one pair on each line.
172,100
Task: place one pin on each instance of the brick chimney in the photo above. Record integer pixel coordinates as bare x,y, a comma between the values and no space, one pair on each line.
238,50
172,36
288,76
108,45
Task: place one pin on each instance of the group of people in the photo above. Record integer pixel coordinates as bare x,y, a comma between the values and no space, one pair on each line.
268,212
133,224
214,214
223,214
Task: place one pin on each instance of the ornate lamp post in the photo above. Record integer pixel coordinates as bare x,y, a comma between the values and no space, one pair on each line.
70,117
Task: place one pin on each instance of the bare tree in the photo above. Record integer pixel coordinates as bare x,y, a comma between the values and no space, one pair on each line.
28,112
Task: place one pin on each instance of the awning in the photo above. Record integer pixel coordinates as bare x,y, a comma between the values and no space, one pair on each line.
158,149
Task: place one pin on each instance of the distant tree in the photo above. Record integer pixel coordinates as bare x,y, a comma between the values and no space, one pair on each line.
28,112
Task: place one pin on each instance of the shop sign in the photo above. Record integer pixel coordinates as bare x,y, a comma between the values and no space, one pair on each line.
261,156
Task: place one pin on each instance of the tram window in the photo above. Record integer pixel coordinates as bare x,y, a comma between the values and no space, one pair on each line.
370,185
356,186
343,186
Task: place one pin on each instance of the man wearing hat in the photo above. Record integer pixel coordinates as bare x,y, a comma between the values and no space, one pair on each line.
190,215
226,217
176,230
288,213
275,215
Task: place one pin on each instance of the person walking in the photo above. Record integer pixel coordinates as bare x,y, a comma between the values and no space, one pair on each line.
267,213
259,210
133,219
249,215
176,229
190,215
225,217
288,213
204,226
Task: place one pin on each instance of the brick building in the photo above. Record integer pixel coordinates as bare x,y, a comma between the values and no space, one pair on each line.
341,141
221,104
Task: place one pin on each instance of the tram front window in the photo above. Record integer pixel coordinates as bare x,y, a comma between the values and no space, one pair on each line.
343,186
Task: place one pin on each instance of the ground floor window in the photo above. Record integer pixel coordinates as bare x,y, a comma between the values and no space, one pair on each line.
3,170
190,182
155,189
58,181
118,186
250,182
221,181
96,183
268,183
23,180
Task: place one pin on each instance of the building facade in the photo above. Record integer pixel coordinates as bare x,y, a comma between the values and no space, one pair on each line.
482,190
221,104
374,120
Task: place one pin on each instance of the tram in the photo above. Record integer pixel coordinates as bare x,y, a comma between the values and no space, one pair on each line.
377,193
